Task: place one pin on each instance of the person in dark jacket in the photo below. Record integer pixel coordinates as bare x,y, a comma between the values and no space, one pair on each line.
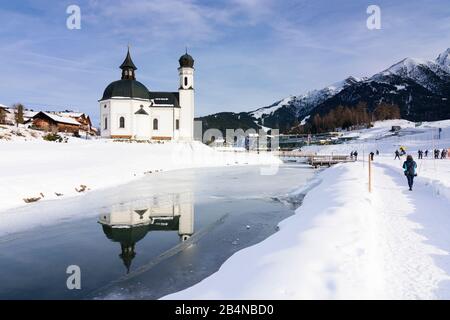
426,153
409,168
356,155
420,154
397,155
371,155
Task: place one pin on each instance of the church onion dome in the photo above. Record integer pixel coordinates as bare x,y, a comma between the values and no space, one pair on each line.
186,61
128,63
126,89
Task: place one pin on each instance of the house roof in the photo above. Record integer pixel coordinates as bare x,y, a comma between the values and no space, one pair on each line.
57,118
71,114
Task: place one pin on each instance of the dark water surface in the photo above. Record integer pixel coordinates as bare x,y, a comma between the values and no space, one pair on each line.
148,238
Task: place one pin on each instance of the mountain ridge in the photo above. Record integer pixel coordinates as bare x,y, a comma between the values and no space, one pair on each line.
421,88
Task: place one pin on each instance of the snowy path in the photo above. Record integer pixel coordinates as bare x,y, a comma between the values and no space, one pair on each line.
345,243
411,223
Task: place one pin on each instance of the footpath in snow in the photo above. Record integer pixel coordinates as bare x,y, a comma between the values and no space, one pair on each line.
49,170
344,243
347,243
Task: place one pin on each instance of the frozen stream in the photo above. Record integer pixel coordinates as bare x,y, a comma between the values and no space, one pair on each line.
146,239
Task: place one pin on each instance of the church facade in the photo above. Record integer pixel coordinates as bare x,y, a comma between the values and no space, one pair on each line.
128,110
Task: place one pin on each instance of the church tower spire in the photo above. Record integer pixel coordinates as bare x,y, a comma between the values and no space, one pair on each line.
128,67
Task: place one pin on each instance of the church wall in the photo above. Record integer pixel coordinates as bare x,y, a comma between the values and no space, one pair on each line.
104,114
166,122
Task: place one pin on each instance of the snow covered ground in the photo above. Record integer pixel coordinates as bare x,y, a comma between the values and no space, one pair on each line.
347,243
33,168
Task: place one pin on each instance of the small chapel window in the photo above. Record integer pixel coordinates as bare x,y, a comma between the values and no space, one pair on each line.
122,122
106,123
155,124
177,124
185,81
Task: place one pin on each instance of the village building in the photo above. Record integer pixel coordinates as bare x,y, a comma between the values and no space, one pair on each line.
52,122
128,110
76,123
82,118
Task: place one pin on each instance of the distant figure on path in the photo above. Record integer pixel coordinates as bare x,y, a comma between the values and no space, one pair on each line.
436,153
409,168
356,155
397,155
378,152
351,155
420,154
426,153
371,156
443,154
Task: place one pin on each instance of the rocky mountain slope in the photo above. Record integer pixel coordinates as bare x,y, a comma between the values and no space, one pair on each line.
421,89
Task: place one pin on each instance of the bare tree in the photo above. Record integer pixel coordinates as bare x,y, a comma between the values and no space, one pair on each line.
2,116
18,113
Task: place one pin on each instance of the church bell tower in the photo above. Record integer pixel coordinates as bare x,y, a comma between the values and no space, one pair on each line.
186,94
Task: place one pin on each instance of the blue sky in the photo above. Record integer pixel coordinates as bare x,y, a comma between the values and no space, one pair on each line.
249,53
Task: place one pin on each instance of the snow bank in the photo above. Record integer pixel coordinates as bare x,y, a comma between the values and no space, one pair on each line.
30,169
347,243
342,243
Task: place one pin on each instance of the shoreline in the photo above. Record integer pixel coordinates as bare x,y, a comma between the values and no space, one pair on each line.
130,162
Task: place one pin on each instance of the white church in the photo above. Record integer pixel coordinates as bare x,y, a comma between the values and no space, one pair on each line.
128,110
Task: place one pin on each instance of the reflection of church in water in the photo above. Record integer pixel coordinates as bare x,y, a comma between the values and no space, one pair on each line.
130,223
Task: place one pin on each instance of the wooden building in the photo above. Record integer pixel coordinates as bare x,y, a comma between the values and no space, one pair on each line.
51,122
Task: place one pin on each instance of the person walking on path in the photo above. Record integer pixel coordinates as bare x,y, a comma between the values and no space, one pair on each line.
409,169
397,155
420,154
371,156
356,155
426,153
436,153
443,154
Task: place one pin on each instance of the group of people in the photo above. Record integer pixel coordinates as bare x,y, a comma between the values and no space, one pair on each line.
354,155
443,154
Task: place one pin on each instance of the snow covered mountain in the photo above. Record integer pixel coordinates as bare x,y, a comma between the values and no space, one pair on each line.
301,104
421,88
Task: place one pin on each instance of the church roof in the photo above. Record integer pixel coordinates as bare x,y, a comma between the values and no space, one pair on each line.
186,61
165,99
127,89
143,112
128,62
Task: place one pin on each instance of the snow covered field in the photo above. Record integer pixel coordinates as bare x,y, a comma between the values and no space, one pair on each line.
50,170
347,243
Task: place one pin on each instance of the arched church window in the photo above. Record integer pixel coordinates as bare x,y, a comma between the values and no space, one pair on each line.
155,124
121,122
185,81
106,123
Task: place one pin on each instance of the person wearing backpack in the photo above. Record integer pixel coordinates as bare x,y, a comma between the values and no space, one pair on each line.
409,168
